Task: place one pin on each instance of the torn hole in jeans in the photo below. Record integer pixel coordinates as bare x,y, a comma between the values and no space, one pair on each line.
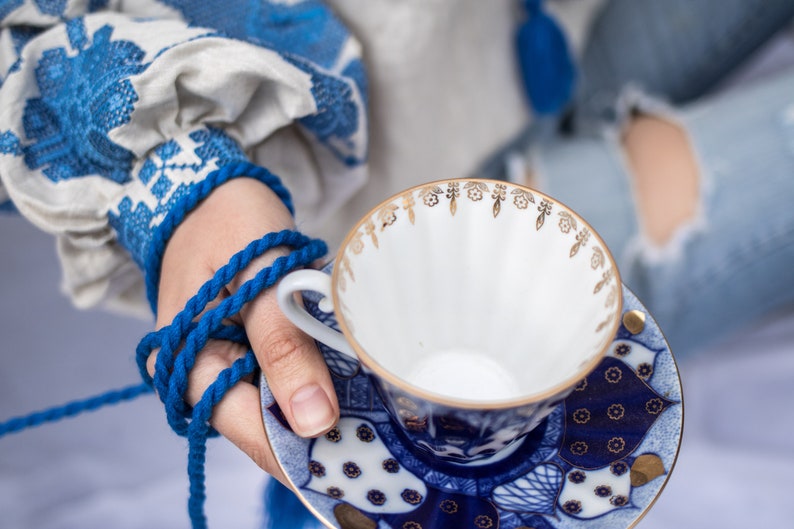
665,175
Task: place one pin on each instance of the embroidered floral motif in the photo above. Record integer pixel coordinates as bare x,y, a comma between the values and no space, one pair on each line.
206,149
308,35
337,115
83,96
306,29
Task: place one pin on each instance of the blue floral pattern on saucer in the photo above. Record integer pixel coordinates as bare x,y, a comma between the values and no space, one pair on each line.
598,461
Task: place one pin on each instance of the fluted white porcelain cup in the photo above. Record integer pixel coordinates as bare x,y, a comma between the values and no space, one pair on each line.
475,306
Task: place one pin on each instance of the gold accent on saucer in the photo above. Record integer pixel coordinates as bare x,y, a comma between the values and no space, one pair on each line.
645,468
634,321
351,518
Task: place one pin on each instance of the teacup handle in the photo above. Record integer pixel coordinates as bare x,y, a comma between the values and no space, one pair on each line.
316,281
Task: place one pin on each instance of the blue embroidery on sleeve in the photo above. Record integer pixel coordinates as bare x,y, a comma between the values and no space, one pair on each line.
8,6
134,221
307,34
307,29
83,97
21,35
336,115
336,118
10,144
216,145
51,7
355,70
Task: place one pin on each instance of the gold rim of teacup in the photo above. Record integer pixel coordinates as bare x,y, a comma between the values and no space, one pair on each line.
369,362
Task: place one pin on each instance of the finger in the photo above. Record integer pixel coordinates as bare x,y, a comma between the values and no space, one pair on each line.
238,415
295,370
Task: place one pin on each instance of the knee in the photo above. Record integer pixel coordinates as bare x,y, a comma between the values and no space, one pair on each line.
664,174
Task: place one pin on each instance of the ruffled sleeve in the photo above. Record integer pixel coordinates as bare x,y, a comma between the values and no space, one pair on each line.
108,120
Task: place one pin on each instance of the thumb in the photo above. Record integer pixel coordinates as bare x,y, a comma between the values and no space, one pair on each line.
295,370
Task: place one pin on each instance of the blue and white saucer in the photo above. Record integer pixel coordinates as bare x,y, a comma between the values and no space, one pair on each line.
599,461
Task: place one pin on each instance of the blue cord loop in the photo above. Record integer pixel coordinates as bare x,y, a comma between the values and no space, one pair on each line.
182,340
186,204
171,369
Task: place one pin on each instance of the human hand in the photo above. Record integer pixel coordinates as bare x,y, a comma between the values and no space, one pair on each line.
238,212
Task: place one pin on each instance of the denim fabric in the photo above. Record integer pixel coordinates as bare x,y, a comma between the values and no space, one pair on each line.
675,49
734,262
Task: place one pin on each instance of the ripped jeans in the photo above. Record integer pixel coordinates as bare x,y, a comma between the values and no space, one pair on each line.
733,261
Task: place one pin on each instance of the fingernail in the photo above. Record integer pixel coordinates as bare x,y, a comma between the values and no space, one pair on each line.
312,411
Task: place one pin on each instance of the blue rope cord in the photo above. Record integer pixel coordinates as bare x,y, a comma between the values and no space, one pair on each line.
192,330
170,379
171,371
186,204
199,429
70,409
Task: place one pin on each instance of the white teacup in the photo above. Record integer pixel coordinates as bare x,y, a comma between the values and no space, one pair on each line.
475,306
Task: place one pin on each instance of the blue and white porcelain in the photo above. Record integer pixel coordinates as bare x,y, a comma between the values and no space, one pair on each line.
475,307
598,461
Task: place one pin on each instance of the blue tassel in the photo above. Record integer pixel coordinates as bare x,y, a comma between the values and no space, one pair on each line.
283,510
545,61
